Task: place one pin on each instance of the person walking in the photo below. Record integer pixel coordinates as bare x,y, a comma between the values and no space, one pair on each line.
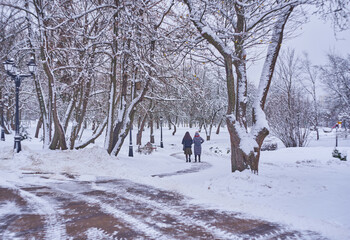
197,142
187,146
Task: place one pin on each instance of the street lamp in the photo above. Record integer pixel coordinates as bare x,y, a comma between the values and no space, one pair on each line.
131,152
336,134
161,131
2,129
2,119
11,70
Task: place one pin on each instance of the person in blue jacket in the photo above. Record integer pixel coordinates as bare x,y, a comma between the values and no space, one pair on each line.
197,142
187,146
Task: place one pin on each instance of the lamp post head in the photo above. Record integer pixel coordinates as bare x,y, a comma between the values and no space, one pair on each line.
8,65
31,65
14,69
161,119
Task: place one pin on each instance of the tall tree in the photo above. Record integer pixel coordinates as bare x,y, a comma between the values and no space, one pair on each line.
231,26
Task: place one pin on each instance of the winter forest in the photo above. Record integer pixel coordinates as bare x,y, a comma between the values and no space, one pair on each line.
112,74
111,65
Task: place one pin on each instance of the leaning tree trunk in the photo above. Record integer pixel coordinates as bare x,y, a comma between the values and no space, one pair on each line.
44,112
6,131
140,130
172,123
95,135
151,123
113,84
81,111
219,126
113,98
122,108
142,123
59,133
246,146
38,126
123,126
58,140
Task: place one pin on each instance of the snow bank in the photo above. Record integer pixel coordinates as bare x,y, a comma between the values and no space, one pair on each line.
305,188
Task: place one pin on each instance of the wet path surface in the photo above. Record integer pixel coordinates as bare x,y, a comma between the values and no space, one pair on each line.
120,209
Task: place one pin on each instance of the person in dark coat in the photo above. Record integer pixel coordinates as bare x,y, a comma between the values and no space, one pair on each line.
197,141
187,146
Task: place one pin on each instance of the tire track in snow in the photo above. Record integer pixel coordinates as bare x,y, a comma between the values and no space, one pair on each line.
221,224
54,228
163,209
108,205
147,230
6,233
152,212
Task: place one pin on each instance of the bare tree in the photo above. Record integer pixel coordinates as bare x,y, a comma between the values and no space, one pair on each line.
335,75
310,81
288,109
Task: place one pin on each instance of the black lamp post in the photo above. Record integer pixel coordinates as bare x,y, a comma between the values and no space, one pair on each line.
336,135
161,132
131,152
2,129
2,120
17,78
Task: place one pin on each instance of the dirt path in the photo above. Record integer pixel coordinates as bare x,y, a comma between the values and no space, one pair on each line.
120,209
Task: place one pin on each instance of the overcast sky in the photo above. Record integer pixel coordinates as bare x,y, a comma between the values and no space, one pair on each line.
317,38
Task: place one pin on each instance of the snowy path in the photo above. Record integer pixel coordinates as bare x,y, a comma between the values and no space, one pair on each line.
116,208
194,167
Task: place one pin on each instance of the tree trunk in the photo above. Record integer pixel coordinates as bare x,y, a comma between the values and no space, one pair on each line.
151,128
81,111
2,114
113,84
174,124
92,139
69,110
111,107
127,120
219,126
246,158
59,140
140,129
93,127
44,112
38,126
169,122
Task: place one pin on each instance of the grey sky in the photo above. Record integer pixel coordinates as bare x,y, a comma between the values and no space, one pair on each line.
317,38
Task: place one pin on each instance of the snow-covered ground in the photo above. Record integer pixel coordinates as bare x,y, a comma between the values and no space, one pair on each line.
305,188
